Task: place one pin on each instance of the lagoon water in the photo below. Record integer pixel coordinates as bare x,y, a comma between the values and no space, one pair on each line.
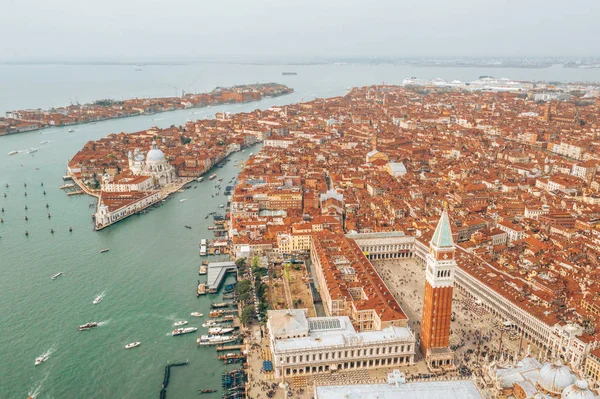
149,275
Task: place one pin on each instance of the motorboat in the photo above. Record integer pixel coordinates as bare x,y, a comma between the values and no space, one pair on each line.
200,179
31,150
13,152
181,331
57,275
183,200
215,339
216,313
104,250
87,326
219,305
44,142
133,345
180,323
212,177
188,227
206,391
220,330
221,206
203,270
209,323
71,130
41,359
196,314
98,299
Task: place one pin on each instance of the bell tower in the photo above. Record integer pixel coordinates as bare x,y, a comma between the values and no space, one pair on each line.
437,301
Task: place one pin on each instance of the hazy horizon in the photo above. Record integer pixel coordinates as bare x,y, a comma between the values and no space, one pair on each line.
136,30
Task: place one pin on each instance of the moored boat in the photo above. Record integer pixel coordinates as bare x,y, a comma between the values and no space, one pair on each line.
202,270
215,339
216,313
220,330
209,323
206,391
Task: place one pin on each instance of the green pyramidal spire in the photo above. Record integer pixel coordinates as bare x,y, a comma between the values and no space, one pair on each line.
442,237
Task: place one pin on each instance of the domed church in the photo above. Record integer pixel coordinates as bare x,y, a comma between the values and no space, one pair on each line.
153,164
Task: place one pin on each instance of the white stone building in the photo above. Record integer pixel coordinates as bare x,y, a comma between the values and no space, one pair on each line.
154,164
316,345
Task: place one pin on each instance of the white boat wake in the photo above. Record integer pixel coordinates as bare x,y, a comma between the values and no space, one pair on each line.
35,392
103,323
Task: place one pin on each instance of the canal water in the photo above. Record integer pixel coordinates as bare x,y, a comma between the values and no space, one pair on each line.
149,275
149,278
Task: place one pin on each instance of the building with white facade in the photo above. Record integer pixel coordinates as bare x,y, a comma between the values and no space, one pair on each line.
154,164
384,245
445,389
315,345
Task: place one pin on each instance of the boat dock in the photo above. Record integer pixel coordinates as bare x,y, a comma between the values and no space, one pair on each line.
216,273
224,348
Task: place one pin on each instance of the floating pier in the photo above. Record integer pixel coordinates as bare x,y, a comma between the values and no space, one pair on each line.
224,348
216,273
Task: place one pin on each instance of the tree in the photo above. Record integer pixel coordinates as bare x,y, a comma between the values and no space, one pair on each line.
242,289
241,265
255,263
247,315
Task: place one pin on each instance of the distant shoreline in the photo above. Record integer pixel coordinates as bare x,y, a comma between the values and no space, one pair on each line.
31,120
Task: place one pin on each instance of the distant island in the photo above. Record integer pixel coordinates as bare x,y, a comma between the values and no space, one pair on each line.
34,119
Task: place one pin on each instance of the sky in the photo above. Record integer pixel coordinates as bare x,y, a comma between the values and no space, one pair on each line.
246,29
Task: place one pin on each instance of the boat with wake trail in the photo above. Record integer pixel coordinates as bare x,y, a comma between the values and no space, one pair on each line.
87,326
41,359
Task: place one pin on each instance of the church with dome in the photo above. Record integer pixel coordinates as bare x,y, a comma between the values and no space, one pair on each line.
530,379
154,164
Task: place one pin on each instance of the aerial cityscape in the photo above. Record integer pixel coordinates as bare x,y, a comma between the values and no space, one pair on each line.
297,208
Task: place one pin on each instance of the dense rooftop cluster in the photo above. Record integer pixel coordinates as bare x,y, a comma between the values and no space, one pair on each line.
519,178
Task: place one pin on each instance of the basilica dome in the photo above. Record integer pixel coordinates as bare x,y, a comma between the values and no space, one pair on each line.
555,377
579,390
155,155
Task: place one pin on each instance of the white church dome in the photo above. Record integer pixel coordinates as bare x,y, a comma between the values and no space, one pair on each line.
579,390
555,377
155,154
